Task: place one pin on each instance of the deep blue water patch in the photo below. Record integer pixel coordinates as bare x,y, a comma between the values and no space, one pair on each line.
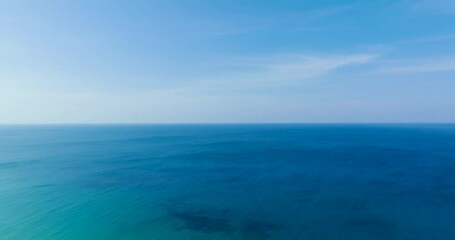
227,182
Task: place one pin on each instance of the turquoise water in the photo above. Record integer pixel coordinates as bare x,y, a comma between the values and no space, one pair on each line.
315,182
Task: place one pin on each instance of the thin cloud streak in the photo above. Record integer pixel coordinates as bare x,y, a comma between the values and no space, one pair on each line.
281,70
420,66
244,24
435,6
429,39
329,11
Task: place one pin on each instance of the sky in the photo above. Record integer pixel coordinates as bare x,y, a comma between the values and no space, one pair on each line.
231,61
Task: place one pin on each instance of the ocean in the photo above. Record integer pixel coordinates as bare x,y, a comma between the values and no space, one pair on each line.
239,181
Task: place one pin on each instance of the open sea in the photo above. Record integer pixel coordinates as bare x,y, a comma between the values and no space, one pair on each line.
145,182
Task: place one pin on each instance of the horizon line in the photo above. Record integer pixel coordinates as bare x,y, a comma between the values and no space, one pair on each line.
233,123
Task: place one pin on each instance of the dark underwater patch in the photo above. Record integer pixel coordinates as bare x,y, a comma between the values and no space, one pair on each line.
196,221
259,229
369,228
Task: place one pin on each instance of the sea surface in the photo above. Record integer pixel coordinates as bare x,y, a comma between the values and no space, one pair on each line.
144,182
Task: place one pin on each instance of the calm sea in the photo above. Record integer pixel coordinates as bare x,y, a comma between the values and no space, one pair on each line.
316,182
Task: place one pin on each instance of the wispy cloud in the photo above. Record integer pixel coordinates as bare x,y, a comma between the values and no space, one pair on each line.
420,66
308,29
435,6
282,70
440,38
309,67
328,11
244,24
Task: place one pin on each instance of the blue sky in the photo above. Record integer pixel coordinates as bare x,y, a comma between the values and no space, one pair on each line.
227,61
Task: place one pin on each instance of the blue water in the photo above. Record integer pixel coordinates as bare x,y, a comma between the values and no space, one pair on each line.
317,182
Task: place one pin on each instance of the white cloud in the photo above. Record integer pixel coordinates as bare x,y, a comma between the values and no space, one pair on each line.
281,70
192,103
148,106
308,67
420,66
